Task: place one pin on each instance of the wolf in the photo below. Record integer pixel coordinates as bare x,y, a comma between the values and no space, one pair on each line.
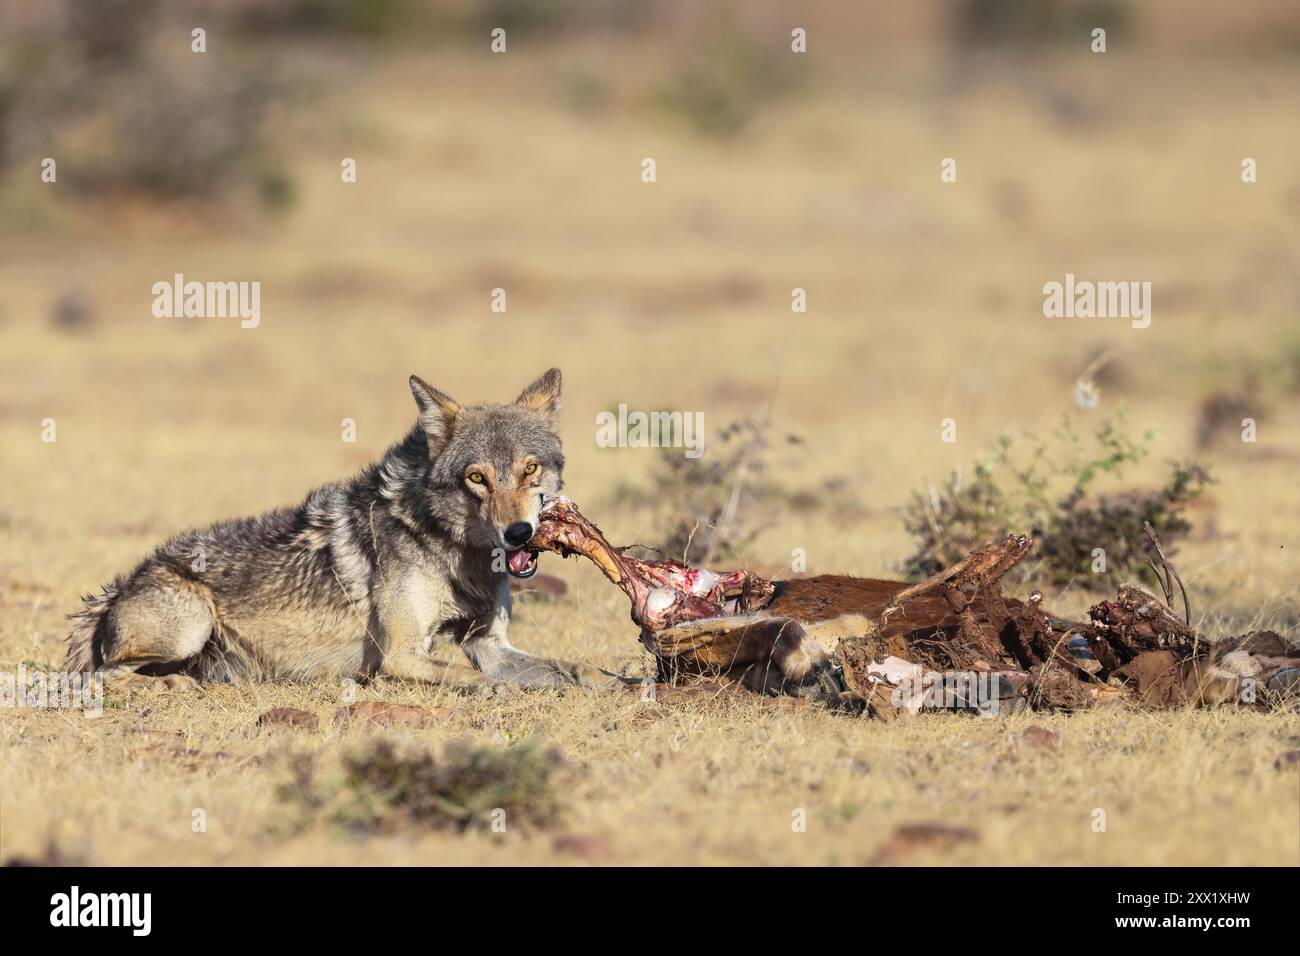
365,577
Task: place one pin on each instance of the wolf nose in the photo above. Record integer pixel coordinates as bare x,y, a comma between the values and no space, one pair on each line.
519,534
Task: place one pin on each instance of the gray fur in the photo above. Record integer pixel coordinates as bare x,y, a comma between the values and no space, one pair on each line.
363,578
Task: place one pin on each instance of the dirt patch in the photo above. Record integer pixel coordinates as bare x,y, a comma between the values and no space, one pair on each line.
378,713
909,838
1040,738
582,845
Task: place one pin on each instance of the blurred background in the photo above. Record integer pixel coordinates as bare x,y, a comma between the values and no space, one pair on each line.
776,171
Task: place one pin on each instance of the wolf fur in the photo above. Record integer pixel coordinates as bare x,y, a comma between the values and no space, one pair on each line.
363,578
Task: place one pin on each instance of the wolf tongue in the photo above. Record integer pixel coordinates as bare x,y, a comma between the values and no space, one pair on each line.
519,559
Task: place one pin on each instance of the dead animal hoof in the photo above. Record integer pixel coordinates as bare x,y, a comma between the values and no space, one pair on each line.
830,680
1285,681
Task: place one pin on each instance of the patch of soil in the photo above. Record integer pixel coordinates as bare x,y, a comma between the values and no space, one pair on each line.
908,838
378,713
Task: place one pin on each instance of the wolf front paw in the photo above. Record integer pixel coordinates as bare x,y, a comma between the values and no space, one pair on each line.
541,672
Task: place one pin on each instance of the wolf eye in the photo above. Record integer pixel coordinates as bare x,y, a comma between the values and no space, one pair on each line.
477,478
532,468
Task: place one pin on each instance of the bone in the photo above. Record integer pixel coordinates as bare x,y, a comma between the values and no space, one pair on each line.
663,593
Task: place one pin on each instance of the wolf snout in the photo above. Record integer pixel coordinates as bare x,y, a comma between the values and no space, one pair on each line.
519,534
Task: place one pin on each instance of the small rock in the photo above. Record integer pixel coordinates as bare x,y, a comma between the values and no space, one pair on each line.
584,845
289,717
1289,759
381,714
73,311
909,837
1040,737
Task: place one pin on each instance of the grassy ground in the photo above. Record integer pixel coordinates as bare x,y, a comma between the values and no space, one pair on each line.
924,303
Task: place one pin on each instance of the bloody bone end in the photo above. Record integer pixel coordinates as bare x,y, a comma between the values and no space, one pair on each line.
663,593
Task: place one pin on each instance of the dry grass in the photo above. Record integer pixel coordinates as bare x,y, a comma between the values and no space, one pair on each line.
659,784
924,304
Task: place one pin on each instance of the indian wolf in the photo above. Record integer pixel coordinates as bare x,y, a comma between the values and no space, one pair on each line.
364,577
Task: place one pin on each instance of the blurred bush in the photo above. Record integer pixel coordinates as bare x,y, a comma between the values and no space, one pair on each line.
446,18
719,87
112,90
998,22
387,788
360,17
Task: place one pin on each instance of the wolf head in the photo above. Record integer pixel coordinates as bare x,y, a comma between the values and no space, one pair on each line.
491,465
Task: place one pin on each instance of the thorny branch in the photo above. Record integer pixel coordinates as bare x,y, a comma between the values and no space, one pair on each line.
1165,584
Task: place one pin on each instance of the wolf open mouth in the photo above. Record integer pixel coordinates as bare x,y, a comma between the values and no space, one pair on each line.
521,562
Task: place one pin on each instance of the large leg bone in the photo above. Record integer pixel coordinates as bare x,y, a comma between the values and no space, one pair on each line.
663,593
699,623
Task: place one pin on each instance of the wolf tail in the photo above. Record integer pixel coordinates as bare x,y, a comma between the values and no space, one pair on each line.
89,630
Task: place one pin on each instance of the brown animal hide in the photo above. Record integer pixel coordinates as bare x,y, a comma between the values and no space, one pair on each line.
952,641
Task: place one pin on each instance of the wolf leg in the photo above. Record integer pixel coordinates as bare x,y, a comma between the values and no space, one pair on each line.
492,653
406,644
501,661
413,666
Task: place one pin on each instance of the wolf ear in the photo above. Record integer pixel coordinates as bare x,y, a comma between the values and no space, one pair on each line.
543,395
437,412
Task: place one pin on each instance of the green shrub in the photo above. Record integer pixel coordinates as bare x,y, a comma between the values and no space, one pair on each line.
1049,491
383,786
718,89
114,84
